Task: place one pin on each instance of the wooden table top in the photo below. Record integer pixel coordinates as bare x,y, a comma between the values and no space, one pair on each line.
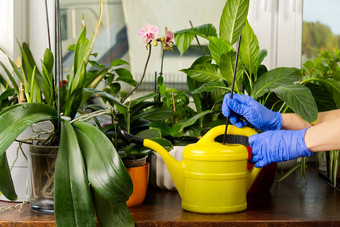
293,202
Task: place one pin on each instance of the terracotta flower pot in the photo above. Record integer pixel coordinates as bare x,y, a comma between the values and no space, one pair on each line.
140,177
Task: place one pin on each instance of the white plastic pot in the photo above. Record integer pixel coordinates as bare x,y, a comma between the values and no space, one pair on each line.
159,174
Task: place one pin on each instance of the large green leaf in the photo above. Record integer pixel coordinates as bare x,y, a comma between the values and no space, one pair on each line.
16,119
233,19
218,47
112,214
227,66
300,99
106,172
333,87
249,49
184,37
275,78
192,120
155,115
126,76
149,134
183,41
204,72
211,86
162,126
323,98
73,204
6,185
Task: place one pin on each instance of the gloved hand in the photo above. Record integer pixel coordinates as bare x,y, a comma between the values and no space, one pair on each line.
278,146
255,113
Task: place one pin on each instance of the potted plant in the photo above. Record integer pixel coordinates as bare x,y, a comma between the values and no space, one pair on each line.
277,88
322,76
89,179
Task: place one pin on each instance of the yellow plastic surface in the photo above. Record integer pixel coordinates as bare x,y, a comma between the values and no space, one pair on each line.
212,178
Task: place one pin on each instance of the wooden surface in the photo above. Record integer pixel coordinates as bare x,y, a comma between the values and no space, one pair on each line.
290,203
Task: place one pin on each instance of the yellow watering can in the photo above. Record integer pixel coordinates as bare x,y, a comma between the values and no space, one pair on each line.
212,178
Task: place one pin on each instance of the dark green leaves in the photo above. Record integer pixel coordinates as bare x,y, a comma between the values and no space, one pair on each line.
275,78
204,72
233,19
300,99
72,197
106,172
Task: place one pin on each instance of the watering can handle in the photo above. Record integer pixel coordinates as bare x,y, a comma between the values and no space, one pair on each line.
210,136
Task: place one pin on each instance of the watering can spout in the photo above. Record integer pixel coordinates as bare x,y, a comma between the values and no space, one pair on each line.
176,168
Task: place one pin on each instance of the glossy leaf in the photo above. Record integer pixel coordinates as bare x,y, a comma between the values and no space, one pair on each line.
204,72
262,55
192,120
156,114
162,126
233,19
184,37
227,66
275,78
300,99
218,47
10,76
105,170
72,197
118,62
112,214
149,134
6,185
48,60
211,86
14,120
249,49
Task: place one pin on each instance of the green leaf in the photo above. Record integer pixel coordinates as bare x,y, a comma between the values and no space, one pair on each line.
6,185
262,55
47,85
211,86
105,170
233,19
300,99
149,134
192,120
142,99
48,60
204,72
72,197
126,76
14,83
202,59
275,78
184,37
112,214
162,126
6,94
323,98
156,114
249,49
118,62
333,87
218,47
183,41
121,108
227,66
15,120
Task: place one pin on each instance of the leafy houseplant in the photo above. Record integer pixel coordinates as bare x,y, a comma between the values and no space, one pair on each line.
90,178
322,76
279,89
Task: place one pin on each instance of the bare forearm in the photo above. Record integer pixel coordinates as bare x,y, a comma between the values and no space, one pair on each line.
324,136
291,121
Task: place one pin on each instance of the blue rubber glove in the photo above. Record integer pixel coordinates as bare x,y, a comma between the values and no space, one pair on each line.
278,146
255,113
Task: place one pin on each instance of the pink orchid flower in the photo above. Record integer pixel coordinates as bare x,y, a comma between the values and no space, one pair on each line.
148,32
168,35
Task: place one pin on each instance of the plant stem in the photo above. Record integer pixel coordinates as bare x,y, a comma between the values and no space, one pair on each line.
141,80
198,42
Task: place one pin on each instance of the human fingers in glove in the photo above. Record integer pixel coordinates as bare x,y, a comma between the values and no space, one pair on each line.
255,113
278,146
